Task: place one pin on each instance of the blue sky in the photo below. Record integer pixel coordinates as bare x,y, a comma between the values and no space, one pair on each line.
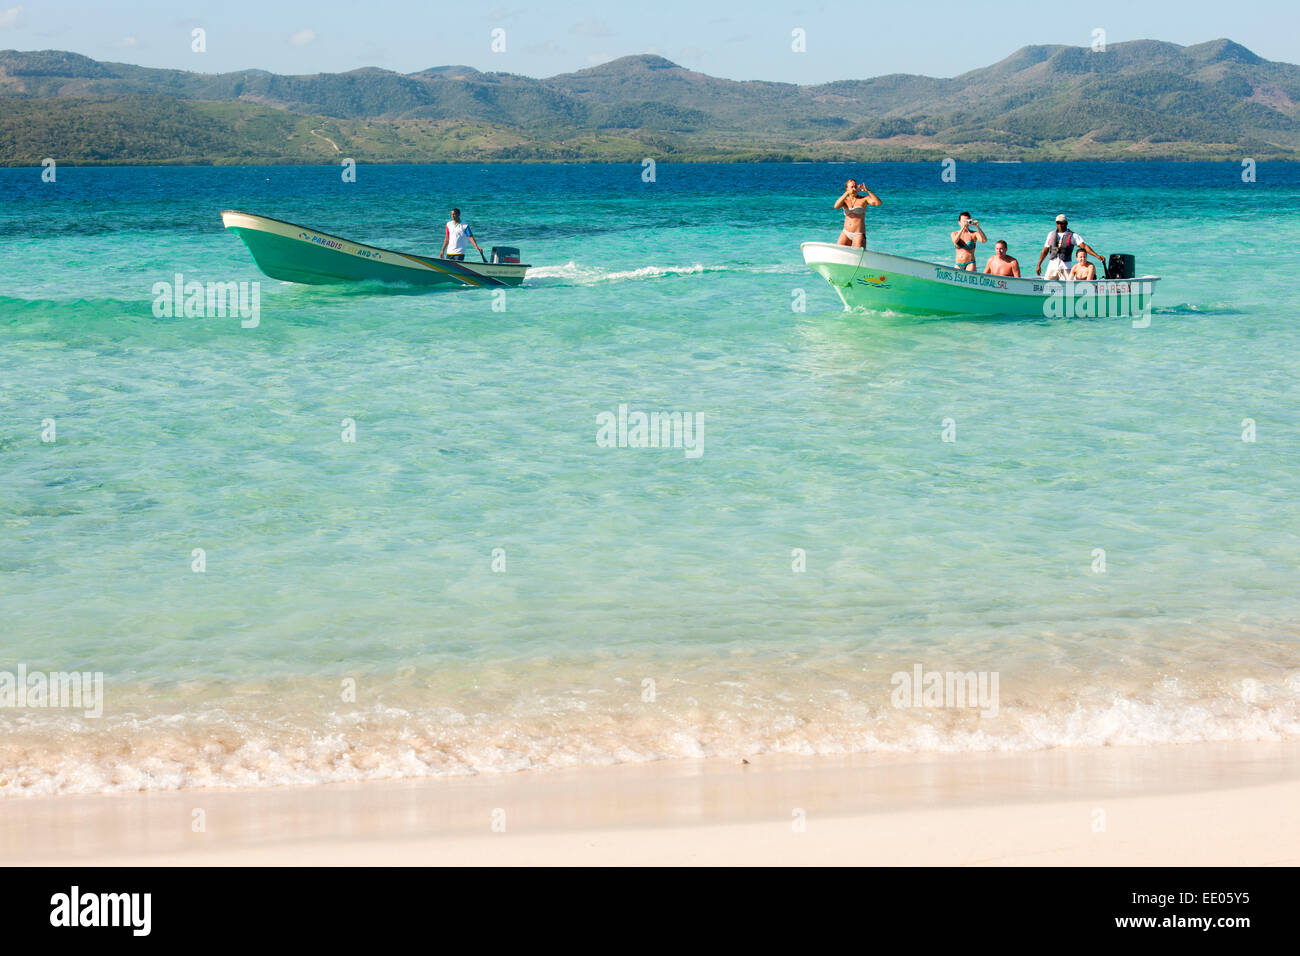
740,40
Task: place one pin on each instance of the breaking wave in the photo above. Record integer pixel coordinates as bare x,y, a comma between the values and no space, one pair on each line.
223,741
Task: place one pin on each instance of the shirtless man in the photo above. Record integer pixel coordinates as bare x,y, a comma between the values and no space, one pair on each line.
968,233
1083,269
855,214
1002,264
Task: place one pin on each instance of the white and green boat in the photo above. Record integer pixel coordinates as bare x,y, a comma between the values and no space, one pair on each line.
285,250
880,282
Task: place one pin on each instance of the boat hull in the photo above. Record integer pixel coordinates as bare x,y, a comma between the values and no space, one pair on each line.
879,282
294,253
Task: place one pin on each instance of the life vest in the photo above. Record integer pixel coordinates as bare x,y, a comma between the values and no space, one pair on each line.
1063,246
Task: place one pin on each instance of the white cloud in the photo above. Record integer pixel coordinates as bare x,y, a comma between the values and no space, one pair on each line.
11,17
127,43
303,37
591,27
550,46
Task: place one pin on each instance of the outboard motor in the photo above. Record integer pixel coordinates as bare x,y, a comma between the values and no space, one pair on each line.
511,254
1121,266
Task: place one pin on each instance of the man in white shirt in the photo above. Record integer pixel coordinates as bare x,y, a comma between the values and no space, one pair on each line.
453,240
1061,245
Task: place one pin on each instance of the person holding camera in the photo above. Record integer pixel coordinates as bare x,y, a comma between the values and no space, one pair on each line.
855,213
965,238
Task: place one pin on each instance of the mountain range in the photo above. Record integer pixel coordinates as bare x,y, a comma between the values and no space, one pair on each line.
1143,99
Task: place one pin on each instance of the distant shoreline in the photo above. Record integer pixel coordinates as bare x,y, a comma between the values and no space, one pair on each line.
1133,101
702,161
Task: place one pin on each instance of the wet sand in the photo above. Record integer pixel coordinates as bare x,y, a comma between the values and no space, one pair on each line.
1203,804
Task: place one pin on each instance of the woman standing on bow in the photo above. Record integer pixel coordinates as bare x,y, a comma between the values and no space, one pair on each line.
855,213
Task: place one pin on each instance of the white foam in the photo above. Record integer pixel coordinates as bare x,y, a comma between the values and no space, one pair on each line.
573,274
51,753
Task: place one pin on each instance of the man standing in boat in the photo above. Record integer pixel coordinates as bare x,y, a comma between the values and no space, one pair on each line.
453,240
1061,245
968,233
855,214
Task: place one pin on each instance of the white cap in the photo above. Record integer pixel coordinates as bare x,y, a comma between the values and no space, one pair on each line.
1061,218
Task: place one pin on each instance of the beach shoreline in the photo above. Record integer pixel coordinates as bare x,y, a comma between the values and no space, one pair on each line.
1218,804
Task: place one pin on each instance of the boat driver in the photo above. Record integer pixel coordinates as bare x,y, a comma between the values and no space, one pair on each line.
1061,245
453,239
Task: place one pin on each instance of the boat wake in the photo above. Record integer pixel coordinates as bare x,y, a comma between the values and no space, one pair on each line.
573,274
1188,308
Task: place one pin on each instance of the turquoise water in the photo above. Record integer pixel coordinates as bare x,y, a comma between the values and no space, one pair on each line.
648,605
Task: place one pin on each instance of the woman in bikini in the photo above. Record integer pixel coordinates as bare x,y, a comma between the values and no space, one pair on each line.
855,214
1083,269
968,233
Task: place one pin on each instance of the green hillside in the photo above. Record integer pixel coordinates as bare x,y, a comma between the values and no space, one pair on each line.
1143,99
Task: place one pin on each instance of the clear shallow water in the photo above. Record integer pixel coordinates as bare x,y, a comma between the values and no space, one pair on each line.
476,430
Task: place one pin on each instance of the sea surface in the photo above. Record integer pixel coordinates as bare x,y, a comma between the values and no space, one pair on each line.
475,583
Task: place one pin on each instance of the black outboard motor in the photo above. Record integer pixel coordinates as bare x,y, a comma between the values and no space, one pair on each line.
511,254
1121,266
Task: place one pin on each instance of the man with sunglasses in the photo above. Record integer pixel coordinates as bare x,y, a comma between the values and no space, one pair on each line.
1061,245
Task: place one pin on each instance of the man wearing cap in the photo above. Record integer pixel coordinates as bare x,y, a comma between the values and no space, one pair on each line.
1060,246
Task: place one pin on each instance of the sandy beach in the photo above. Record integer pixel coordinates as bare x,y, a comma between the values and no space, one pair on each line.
1203,804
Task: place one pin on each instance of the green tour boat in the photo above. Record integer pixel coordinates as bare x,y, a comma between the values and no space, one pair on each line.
879,282
284,250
